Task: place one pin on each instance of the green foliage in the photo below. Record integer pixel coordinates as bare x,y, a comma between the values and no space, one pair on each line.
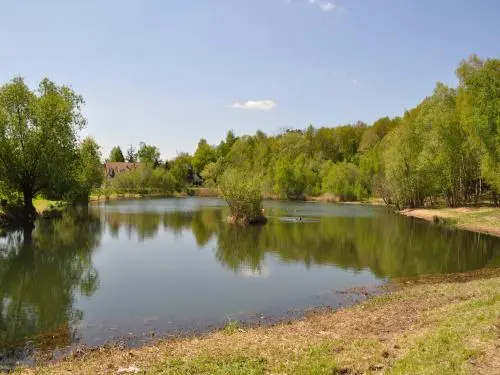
293,178
243,196
116,155
89,173
144,180
38,138
342,180
479,106
225,146
446,149
148,154
203,155
212,173
181,170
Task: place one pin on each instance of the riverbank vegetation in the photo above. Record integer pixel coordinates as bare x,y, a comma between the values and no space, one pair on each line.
429,326
39,148
445,151
244,198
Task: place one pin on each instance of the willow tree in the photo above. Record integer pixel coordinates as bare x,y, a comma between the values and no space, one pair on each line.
38,138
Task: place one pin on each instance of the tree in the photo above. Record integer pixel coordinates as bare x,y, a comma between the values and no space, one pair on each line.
38,138
149,154
116,155
203,155
181,170
89,170
479,106
225,146
211,173
342,180
143,180
131,155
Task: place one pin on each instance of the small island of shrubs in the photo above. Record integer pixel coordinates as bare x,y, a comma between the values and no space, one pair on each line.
244,197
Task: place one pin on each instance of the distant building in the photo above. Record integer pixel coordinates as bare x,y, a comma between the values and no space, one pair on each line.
114,168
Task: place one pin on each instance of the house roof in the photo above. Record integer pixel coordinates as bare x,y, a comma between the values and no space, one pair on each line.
113,168
121,165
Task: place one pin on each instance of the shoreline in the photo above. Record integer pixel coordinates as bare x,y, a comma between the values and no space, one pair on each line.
484,220
335,300
454,315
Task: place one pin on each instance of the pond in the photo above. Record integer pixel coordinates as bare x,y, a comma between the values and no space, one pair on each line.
131,270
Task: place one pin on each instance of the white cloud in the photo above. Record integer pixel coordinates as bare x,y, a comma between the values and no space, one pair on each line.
262,273
327,7
258,105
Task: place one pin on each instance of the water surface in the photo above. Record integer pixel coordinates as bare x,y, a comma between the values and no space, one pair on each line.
130,269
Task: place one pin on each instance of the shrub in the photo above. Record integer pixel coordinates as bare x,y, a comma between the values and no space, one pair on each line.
143,180
243,196
342,179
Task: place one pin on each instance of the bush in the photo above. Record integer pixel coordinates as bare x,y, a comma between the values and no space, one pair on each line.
243,196
143,180
342,179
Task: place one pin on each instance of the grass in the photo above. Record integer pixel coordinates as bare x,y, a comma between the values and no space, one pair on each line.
429,326
478,219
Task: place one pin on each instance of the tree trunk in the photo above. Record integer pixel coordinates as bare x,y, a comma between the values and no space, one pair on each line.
28,234
29,209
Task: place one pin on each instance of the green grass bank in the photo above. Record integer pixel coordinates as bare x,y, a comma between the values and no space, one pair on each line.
436,325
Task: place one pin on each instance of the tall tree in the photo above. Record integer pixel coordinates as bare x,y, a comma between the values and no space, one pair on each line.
204,154
149,154
131,155
479,103
116,155
38,138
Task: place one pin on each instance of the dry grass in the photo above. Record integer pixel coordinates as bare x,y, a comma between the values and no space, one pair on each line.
480,219
423,328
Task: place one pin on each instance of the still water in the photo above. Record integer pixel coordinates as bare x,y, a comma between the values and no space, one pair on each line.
133,269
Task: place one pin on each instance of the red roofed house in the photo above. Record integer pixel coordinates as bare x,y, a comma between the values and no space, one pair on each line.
114,168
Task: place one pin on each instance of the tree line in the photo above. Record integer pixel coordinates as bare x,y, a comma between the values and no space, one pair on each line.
446,149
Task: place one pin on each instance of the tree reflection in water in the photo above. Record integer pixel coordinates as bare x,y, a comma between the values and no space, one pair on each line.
387,245
43,272
40,275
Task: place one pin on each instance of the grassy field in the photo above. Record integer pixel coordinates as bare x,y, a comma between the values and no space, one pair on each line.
429,326
483,219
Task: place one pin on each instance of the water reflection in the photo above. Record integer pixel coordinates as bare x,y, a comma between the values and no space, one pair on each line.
40,275
387,245
44,274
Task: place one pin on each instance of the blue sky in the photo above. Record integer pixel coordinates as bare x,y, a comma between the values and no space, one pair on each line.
170,72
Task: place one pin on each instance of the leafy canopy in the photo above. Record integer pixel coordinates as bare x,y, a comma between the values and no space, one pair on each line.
38,137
